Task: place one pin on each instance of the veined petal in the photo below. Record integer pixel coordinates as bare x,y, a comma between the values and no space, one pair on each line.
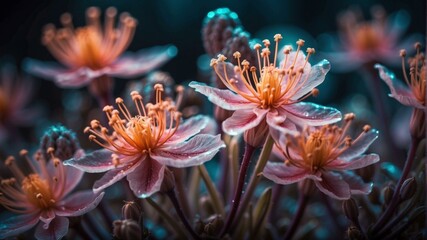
357,186
279,125
360,145
226,71
243,120
315,77
223,98
398,90
189,128
293,57
279,173
304,113
195,151
145,60
12,225
147,178
333,185
79,203
97,161
355,163
58,228
116,174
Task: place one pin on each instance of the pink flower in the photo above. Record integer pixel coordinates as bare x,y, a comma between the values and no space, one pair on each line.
362,41
324,155
15,94
274,94
43,197
91,52
141,146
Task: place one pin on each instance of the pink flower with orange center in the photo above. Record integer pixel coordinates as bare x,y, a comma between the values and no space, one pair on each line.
93,51
324,155
141,146
43,197
271,94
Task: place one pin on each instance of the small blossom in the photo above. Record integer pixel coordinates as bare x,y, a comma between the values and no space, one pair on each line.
141,146
413,94
365,41
93,51
269,93
43,197
324,155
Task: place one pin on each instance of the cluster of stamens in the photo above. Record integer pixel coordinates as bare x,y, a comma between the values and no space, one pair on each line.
264,85
154,125
318,147
417,74
22,193
91,46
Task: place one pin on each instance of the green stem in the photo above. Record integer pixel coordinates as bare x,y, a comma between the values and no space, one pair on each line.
255,178
216,200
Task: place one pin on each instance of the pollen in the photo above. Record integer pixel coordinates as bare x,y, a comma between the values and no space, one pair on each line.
417,73
37,191
263,84
93,45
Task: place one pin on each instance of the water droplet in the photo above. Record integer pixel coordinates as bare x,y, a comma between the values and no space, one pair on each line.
305,114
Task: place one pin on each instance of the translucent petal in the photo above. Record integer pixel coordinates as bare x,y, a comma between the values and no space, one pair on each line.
242,120
332,184
311,114
279,173
354,163
97,161
189,128
360,145
357,186
315,77
58,228
147,178
78,203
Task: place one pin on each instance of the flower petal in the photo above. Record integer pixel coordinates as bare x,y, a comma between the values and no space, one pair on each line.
97,161
360,145
223,98
147,178
334,186
315,77
11,225
114,175
58,228
47,216
280,173
226,71
304,113
355,163
79,203
279,125
145,60
398,90
195,151
243,120
357,185
189,128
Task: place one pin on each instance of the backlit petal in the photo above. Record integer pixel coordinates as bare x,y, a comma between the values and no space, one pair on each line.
147,178
58,228
97,161
357,186
79,203
280,173
304,113
189,128
360,145
334,186
279,125
355,163
243,120
226,72
195,151
315,77
223,98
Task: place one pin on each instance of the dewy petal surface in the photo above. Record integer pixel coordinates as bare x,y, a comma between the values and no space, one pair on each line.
58,228
355,163
147,178
398,90
222,97
305,113
189,128
79,203
332,184
11,225
143,61
242,120
97,161
360,145
279,173
195,151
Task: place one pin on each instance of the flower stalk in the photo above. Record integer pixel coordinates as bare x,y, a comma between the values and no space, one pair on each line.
302,203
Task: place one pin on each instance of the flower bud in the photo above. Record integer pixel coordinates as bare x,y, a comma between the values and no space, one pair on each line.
408,189
199,226
353,233
388,194
256,136
214,226
351,210
131,210
206,204
63,141
127,230
154,78
168,183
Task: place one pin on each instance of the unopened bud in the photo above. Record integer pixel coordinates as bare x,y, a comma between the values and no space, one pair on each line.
199,226
168,183
127,229
351,210
256,136
214,226
206,204
353,233
388,194
131,210
409,187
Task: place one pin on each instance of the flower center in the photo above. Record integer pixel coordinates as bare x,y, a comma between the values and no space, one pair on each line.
367,37
38,191
151,128
268,86
417,74
90,46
